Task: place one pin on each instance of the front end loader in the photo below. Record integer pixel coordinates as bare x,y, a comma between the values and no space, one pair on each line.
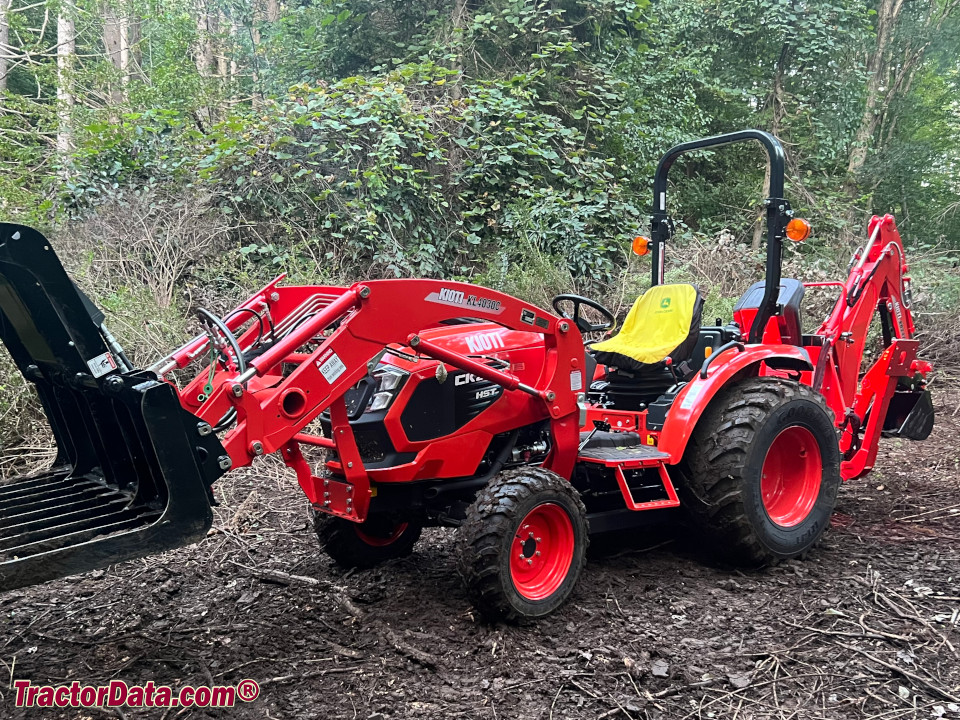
403,404
131,476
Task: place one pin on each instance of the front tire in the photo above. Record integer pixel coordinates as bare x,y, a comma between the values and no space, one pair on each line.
523,544
761,472
366,544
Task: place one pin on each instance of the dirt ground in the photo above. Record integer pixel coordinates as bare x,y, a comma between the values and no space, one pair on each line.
868,626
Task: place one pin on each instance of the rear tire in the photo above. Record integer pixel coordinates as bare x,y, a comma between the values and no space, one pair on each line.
761,472
366,544
523,544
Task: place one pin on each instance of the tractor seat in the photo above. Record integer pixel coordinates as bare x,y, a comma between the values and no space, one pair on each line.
663,323
788,315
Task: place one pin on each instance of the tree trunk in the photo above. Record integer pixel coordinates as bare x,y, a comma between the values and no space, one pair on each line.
66,51
273,10
888,13
4,45
134,35
267,11
205,60
234,66
222,50
120,33
204,49
458,20
124,53
111,45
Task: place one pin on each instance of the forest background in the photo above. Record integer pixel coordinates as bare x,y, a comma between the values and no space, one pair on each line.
183,152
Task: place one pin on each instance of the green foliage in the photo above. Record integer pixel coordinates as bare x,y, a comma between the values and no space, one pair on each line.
389,175
504,141
132,152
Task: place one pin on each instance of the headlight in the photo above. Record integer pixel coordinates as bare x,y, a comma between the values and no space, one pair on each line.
380,401
390,381
388,385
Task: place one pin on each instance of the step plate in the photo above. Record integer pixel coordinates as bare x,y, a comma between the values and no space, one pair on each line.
631,458
636,456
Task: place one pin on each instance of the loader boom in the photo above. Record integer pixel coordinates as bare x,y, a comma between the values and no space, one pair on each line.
330,349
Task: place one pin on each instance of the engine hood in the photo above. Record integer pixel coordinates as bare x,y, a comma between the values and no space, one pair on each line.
523,351
481,338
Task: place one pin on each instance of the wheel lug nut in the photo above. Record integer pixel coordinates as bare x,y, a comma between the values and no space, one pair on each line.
537,553
539,539
530,535
529,561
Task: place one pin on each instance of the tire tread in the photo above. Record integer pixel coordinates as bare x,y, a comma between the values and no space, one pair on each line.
490,519
712,468
339,540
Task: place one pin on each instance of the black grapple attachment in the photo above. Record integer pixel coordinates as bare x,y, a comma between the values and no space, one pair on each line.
133,469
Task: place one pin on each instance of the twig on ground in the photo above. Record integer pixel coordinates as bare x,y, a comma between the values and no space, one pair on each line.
841,633
555,698
243,512
939,691
306,676
676,689
407,649
277,576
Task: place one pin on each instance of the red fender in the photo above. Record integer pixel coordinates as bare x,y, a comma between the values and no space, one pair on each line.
697,394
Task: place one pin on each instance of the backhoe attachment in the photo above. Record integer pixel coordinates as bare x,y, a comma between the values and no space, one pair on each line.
133,468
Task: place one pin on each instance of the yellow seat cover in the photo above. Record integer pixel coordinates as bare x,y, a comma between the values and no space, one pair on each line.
656,325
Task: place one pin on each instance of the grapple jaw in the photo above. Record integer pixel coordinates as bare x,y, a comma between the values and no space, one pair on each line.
133,469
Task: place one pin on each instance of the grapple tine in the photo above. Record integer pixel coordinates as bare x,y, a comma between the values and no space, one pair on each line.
132,474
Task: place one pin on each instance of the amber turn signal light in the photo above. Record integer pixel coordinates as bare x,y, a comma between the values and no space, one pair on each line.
798,230
641,245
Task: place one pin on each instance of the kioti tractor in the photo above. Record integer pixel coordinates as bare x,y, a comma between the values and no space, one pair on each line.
403,404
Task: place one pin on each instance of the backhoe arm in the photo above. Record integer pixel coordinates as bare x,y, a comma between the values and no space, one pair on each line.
877,283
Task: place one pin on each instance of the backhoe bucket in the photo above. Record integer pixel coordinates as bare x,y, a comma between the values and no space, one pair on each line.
133,469
910,413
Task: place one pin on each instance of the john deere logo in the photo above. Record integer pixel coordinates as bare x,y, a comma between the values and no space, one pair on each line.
665,303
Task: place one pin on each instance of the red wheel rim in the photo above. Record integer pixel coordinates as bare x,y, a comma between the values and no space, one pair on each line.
790,480
381,540
542,551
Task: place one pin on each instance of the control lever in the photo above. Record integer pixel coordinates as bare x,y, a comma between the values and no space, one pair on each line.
600,425
673,370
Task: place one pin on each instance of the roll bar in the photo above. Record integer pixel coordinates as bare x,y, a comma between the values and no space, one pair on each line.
778,214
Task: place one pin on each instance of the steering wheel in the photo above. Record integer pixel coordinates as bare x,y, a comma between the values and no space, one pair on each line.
584,325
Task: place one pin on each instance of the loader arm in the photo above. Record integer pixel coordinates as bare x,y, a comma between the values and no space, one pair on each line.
310,369
137,455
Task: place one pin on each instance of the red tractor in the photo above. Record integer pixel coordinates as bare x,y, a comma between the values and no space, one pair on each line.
438,403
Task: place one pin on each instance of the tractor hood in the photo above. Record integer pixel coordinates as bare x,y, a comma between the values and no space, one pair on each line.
521,351
481,338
